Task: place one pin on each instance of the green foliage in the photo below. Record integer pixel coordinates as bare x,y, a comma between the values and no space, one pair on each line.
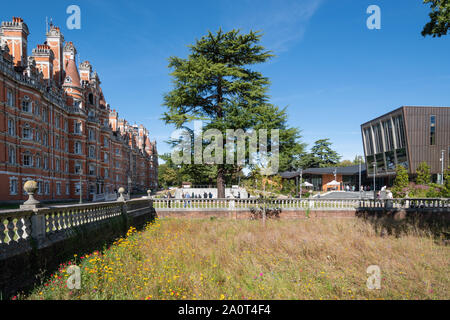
321,155
423,174
434,191
445,193
439,18
401,182
215,84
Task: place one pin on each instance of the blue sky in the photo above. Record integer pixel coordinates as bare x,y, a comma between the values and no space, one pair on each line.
330,70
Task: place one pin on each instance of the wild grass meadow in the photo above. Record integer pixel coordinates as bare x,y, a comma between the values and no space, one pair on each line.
229,259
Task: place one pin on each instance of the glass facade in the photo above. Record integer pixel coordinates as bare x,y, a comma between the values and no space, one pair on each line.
385,144
432,130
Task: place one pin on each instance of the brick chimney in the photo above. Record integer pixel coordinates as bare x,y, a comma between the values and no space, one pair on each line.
15,34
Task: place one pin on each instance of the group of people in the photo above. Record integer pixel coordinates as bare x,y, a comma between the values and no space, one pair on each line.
197,196
353,188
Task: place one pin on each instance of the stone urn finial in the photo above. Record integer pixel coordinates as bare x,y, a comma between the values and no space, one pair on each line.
121,192
149,193
30,188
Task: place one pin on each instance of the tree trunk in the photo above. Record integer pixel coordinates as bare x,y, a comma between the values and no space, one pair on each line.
220,182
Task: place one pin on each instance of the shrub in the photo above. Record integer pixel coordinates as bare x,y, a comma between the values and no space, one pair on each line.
400,188
423,174
434,191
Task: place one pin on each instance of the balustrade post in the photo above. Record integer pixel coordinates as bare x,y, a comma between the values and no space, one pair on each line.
38,227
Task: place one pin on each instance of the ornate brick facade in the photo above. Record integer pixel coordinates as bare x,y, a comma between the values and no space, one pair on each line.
55,123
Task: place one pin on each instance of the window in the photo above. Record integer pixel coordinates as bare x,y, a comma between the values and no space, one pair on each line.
399,132
67,166
388,138
27,133
67,188
91,170
45,139
58,188
57,143
77,188
105,140
91,98
38,162
117,151
9,98
66,125
47,187
57,165
77,147
106,173
39,187
369,141
37,108
13,186
91,135
27,160
433,130
11,127
26,105
105,157
91,152
77,128
378,138
46,163
77,168
57,121
66,146
45,115
38,136
11,155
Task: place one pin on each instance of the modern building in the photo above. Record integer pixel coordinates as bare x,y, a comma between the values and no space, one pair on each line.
407,136
320,177
56,127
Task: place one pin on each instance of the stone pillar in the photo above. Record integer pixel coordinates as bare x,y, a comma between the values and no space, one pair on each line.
30,188
121,192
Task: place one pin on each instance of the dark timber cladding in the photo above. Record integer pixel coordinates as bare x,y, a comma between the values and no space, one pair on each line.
407,136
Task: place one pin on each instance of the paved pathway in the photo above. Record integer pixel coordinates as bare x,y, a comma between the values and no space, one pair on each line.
346,195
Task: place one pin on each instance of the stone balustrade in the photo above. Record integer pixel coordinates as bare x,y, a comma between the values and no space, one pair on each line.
35,238
312,203
44,224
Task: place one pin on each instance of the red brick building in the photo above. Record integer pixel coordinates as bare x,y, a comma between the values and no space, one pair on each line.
55,124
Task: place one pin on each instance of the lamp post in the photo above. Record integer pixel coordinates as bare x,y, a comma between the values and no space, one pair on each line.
442,166
374,185
81,186
360,177
335,173
129,187
300,182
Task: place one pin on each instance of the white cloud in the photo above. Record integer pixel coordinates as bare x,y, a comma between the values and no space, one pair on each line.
283,22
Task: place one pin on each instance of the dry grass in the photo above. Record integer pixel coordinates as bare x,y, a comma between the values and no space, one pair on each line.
288,259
